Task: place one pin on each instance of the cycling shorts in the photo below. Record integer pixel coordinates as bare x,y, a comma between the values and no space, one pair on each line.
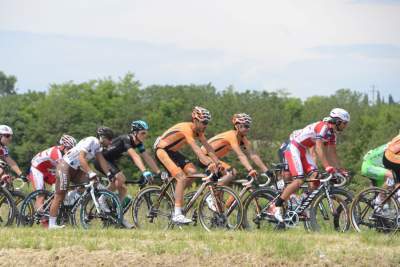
38,178
374,172
173,161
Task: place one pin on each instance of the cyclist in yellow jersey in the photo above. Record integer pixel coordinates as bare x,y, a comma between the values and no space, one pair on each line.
167,148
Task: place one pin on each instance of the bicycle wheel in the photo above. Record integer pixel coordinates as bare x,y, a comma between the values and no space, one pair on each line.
151,210
255,209
328,214
231,215
28,215
363,216
8,210
94,216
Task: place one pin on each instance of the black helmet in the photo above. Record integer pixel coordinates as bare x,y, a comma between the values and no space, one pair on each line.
105,132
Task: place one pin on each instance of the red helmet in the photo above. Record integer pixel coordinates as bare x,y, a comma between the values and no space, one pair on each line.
241,118
201,114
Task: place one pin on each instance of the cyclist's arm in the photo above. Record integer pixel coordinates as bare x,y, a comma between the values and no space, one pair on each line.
332,156
102,161
242,157
150,162
13,165
313,154
210,150
136,159
320,149
83,162
256,158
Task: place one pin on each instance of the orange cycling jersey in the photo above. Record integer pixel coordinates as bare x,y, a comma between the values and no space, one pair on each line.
224,142
178,136
392,152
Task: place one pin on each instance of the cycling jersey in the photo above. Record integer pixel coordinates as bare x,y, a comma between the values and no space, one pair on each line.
224,142
177,136
120,145
3,151
297,155
43,167
372,165
47,160
393,151
307,136
168,144
90,145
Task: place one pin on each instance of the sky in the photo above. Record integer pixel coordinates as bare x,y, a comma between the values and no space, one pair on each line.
305,47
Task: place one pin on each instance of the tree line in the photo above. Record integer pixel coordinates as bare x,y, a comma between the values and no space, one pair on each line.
40,118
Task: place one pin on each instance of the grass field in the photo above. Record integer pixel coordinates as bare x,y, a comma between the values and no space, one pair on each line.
193,247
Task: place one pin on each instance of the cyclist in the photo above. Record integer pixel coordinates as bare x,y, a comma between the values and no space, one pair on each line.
167,148
128,143
322,135
237,141
43,165
382,166
6,134
74,167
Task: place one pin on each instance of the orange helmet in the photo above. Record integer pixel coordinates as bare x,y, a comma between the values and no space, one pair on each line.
241,118
201,114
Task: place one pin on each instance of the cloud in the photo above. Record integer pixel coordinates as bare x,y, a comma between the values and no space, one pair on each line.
388,51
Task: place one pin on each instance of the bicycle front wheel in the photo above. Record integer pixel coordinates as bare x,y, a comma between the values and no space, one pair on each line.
222,209
329,214
28,215
102,212
152,209
365,215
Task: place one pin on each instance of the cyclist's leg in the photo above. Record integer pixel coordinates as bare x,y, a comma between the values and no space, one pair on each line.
295,159
63,173
310,168
165,159
37,179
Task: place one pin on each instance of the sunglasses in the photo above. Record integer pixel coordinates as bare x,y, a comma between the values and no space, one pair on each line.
7,135
203,122
247,126
142,133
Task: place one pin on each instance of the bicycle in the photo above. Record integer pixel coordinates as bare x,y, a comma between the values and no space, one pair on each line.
384,217
325,204
15,191
153,207
88,203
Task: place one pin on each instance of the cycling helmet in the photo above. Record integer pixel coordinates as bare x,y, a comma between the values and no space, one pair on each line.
4,129
241,118
3,164
201,114
67,141
139,125
105,132
340,114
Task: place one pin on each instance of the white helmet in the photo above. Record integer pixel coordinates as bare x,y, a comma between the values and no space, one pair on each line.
340,114
241,118
67,141
201,114
4,129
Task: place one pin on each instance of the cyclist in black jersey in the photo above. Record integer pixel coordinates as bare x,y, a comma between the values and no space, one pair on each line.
129,143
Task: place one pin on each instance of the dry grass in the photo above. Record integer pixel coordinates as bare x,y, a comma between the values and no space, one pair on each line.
194,247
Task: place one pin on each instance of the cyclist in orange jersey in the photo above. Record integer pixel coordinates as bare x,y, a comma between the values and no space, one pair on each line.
237,141
167,148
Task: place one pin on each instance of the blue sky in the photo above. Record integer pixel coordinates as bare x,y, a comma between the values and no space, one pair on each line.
305,47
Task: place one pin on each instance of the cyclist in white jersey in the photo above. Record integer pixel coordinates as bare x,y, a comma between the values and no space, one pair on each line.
75,167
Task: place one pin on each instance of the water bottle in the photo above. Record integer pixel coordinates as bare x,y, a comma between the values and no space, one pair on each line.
71,197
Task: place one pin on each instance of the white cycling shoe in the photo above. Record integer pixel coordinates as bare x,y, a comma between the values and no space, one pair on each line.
56,227
181,219
127,224
276,212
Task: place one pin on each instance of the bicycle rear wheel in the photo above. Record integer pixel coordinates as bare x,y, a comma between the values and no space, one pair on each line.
8,209
151,210
255,209
364,216
28,215
96,216
231,210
